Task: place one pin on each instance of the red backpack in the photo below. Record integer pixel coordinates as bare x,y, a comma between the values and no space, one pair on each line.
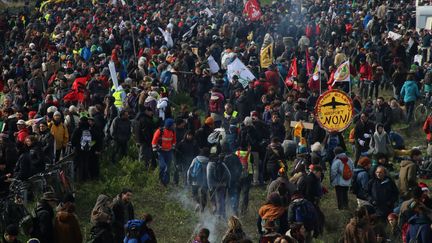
347,173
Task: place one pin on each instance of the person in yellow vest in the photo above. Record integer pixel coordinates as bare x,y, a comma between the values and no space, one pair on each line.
245,157
119,96
60,133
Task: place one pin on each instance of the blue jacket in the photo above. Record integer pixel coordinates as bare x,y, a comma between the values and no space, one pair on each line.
425,233
337,170
410,91
362,180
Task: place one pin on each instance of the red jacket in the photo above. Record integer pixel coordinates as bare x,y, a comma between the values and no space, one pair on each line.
22,134
365,72
427,128
167,142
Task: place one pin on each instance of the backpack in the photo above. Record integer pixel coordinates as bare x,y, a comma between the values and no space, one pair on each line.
355,186
347,173
305,212
86,139
215,104
196,170
134,231
166,78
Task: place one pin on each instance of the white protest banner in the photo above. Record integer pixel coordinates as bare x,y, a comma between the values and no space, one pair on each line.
113,73
214,67
394,35
238,68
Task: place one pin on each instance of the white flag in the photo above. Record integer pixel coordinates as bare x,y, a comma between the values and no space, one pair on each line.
214,67
113,73
238,68
188,34
342,73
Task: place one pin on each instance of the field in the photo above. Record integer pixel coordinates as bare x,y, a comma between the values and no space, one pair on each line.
175,220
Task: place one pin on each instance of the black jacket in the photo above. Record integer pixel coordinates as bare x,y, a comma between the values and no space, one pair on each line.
121,130
45,216
123,212
310,188
382,194
383,115
201,136
144,127
46,141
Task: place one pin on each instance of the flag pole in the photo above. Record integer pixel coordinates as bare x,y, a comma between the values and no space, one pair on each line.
349,83
319,73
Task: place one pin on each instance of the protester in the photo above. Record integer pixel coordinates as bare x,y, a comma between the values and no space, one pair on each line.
164,142
341,176
45,218
123,211
66,226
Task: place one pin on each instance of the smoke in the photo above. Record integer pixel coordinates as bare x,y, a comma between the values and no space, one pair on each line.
206,219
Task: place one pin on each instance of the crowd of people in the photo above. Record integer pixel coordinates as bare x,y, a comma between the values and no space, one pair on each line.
96,76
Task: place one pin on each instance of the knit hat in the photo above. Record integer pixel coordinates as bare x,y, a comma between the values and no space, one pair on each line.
424,187
209,121
364,161
169,122
73,108
57,113
52,109
20,122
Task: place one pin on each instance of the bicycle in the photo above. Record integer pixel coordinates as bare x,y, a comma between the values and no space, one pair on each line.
12,208
422,110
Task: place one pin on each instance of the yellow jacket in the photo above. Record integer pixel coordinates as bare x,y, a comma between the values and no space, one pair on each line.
61,135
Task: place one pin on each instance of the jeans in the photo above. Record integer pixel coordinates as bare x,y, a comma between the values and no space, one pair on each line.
217,197
364,88
255,165
374,88
410,110
240,191
342,196
199,194
165,158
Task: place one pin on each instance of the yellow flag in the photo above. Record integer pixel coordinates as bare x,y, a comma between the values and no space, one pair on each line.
250,36
266,56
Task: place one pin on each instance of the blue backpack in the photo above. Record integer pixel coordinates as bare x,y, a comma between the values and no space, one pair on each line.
135,232
196,170
305,212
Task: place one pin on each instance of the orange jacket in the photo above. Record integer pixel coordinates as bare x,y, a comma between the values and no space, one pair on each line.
427,128
168,140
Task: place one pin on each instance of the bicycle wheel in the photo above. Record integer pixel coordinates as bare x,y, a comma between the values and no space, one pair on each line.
420,113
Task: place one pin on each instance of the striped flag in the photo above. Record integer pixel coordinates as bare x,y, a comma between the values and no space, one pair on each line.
317,70
342,73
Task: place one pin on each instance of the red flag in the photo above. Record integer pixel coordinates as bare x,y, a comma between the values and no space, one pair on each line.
309,66
253,10
292,73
